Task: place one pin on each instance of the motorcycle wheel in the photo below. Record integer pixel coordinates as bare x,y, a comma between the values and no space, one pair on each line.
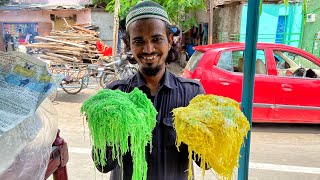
107,78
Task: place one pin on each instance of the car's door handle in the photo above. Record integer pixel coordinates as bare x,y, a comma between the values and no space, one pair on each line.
224,81
286,87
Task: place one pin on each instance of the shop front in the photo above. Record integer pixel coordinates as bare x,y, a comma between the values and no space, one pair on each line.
18,33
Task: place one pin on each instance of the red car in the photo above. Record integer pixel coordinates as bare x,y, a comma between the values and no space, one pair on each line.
287,80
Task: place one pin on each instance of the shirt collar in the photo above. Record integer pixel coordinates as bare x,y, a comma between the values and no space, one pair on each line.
167,81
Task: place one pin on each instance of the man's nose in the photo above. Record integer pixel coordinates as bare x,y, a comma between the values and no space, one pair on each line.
148,48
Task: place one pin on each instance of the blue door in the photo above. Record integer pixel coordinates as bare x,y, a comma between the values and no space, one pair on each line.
281,28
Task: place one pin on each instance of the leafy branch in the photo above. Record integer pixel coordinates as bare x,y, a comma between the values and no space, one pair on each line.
177,9
3,2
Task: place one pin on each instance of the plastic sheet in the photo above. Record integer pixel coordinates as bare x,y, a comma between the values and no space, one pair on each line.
25,150
27,129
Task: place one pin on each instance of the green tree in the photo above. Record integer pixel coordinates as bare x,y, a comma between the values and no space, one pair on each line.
103,3
3,2
178,10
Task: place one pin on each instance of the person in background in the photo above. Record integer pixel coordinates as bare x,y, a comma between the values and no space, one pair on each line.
28,37
121,34
21,37
149,36
176,34
176,40
8,39
279,64
34,34
2,44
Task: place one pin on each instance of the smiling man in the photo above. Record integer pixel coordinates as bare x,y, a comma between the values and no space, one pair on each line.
149,37
150,45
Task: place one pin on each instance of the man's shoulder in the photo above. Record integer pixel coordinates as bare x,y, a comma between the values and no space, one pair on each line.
183,80
117,84
188,85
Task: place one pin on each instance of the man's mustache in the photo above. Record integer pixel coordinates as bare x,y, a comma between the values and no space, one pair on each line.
148,54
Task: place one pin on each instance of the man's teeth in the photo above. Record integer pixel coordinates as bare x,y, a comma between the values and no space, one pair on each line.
149,58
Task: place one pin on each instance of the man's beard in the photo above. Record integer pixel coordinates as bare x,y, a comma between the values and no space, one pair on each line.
151,71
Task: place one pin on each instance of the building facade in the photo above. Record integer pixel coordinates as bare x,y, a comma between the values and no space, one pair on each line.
40,17
278,23
22,19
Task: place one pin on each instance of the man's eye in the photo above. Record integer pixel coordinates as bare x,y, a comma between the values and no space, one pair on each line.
137,42
157,39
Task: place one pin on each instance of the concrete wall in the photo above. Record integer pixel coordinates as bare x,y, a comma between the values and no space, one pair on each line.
54,1
202,16
105,22
269,21
226,20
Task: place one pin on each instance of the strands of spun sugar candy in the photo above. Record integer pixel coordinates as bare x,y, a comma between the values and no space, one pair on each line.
213,127
114,116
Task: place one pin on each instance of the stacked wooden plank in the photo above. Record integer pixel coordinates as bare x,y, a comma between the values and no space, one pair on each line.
75,45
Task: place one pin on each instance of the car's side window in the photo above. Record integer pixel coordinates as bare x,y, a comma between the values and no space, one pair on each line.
234,61
225,61
293,65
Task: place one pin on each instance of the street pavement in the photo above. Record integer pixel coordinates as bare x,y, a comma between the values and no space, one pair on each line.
278,151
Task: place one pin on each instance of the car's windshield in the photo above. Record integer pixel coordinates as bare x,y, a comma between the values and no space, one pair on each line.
194,60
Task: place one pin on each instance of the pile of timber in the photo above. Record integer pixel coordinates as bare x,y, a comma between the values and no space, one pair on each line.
75,45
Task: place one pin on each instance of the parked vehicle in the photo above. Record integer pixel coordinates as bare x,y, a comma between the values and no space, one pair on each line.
122,69
78,76
75,76
286,86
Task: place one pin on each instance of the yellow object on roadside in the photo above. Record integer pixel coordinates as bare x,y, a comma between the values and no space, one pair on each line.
214,128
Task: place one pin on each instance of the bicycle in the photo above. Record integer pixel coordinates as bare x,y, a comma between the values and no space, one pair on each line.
73,75
122,69
76,76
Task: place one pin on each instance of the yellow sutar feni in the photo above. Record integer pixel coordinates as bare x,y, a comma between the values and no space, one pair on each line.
214,128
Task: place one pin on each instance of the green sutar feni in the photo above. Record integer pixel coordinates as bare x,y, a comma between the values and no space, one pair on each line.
124,122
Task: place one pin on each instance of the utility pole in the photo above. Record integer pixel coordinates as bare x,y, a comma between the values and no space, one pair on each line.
210,22
248,82
115,27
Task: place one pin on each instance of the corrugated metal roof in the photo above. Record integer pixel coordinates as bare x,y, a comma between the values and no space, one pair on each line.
35,7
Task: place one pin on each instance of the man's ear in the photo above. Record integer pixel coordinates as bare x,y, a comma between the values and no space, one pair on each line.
170,39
